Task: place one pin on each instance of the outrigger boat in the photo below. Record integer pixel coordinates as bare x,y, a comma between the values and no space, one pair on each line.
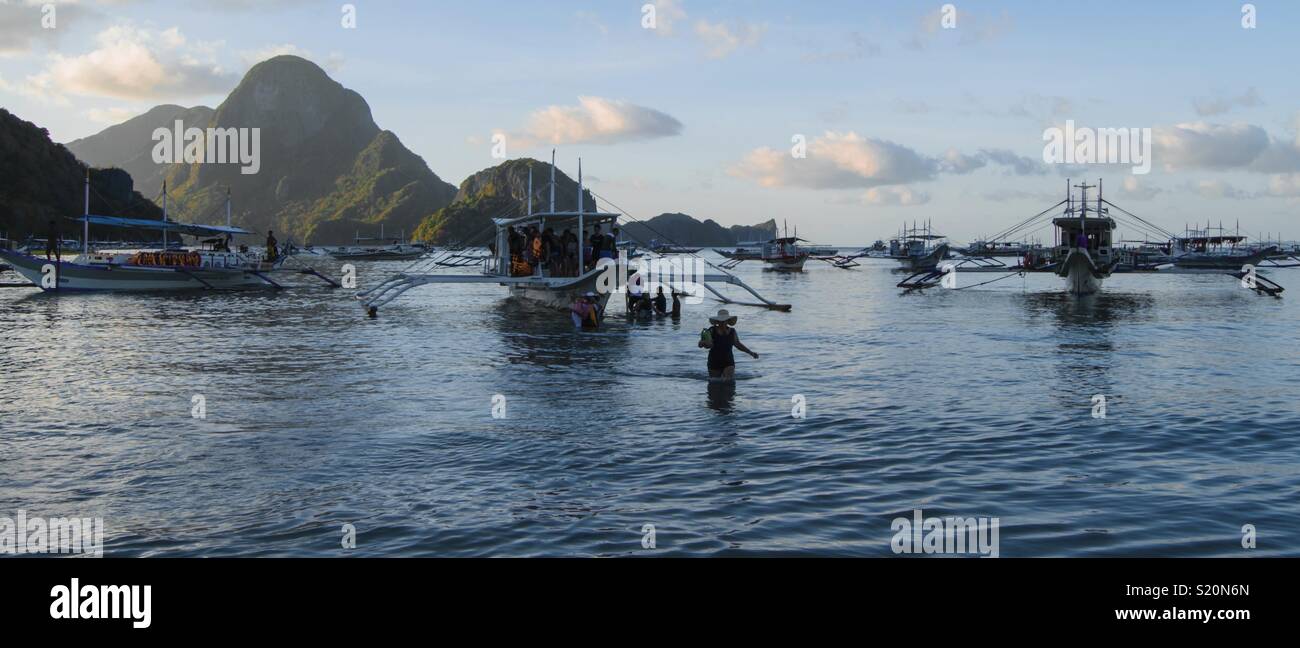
784,254
394,251
747,251
1084,255
161,268
1201,249
1012,249
537,283
918,248
667,248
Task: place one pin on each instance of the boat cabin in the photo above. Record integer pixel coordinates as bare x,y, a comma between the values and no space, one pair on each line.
1094,234
510,258
780,248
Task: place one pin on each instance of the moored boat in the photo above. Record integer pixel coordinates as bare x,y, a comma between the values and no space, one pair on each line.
919,248
164,267
1083,254
543,281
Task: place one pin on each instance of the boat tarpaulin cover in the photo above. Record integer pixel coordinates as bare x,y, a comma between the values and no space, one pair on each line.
170,226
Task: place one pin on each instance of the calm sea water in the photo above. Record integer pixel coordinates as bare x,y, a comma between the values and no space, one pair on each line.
972,403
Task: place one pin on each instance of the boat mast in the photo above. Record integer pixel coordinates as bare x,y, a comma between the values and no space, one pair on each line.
227,206
553,186
530,190
164,214
581,261
85,232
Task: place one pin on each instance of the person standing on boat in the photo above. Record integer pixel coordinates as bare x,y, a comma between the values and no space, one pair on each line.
719,339
53,241
570,241
611,243
272,247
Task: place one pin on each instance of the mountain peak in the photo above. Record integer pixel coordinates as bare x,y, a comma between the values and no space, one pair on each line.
325,167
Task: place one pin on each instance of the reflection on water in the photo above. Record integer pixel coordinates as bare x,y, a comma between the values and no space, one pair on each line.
973,402
721,394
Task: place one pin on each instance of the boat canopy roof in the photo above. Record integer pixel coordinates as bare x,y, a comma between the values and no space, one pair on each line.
1091,223
1229,238
552,217
169,226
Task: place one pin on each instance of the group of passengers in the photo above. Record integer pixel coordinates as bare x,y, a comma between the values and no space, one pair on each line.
533,248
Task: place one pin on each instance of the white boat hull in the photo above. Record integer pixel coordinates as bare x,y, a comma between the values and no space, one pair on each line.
557,298
1082,277
73,276
790,264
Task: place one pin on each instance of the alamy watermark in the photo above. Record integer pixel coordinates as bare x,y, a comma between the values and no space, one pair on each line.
945,535
209,146
62,535
1084,145
680,275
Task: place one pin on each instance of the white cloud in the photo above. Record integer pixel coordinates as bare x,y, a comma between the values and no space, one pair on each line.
131,63
895,196
1202,145
1215,189
837,161
21,26
667,14
114,115
1219,104
969,28
1284,185
597,120
848,160
721,40
1131,189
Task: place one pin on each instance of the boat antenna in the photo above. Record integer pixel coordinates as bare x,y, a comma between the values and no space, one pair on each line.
85,233
581,232
553,183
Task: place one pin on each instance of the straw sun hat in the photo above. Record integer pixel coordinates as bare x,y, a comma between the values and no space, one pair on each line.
723,316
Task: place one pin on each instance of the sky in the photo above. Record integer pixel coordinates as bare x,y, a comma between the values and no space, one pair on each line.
842,119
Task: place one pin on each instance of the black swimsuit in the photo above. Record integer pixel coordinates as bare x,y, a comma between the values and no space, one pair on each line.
720,356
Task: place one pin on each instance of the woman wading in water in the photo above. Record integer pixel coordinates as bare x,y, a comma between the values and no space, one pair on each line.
719,340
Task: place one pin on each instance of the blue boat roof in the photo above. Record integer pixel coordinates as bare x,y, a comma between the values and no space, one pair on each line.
170,226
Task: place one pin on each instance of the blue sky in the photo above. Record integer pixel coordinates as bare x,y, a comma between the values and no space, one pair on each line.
905,120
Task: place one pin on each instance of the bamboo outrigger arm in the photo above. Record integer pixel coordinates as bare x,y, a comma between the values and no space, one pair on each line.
735,281
394,286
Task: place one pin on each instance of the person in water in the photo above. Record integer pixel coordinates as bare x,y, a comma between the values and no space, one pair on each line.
719,339
661,302
585,311
677,304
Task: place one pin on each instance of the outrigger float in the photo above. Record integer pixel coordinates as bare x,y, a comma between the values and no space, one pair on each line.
539,284
1084,255
160,268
